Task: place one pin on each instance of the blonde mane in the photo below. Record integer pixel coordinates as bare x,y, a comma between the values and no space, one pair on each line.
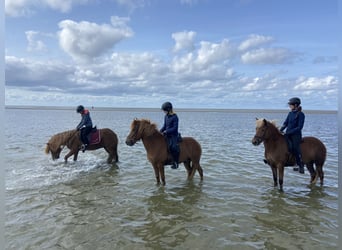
259,122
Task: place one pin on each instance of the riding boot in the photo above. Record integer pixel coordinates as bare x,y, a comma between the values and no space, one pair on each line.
84,147
175,157
300,164
301,168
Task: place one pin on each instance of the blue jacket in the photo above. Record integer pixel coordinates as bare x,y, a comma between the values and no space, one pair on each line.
170,127
86,120
294,123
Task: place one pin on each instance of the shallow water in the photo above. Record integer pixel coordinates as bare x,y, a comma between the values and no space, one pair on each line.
90,204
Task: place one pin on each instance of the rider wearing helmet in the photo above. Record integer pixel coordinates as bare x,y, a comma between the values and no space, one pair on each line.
84,126
294,124
170,131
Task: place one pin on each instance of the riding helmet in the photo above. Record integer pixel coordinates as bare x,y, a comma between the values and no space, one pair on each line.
80,109
167,106
294,101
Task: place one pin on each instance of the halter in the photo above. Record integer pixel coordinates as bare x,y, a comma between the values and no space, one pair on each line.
262,137
134,137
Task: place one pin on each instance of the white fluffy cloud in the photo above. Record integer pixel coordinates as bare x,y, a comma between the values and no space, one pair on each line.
267,56
254,41
184,40
84,41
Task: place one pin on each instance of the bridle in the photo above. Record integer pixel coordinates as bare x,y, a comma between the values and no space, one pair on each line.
134,136
261,138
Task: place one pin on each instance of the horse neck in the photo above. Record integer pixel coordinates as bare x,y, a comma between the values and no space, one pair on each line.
66,136
151,142
274,138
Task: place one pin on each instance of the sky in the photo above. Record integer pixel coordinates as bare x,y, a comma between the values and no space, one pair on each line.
224,54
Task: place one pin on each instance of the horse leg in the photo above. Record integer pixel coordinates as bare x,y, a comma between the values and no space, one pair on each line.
312,172
76,155
193,170
116,156
162,173
188,167
320,172
70,153
200,171
281,177
275,176
156,173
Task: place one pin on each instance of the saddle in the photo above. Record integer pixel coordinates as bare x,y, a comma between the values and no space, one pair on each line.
94,136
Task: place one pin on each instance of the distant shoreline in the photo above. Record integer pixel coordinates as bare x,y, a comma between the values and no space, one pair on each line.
178,109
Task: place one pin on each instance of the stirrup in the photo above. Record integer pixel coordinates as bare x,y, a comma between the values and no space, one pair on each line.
174,165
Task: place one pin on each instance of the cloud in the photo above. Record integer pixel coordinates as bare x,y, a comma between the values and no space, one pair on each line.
210,72
315,83
35,75
254,41
268,56
33,43
210,53
184,40
84,41
16,8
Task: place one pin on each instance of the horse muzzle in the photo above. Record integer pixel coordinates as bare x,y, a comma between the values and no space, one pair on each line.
256,141
130,142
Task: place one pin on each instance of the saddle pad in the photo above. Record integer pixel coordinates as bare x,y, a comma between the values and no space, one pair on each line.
95,137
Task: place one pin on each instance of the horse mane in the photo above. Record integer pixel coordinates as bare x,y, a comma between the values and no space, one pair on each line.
59,139
273,123
148,127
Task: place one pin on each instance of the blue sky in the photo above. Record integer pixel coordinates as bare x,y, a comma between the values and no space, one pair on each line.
194,53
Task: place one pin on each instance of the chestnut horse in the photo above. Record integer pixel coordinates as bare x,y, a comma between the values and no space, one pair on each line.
71,139
157,153
278,156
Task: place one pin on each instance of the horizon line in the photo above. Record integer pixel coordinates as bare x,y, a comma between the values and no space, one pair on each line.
158,109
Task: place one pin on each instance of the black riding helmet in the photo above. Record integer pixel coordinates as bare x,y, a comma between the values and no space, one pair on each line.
80,109
294,101
167,106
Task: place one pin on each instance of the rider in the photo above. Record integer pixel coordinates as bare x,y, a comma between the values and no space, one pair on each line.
84,126
294,124
170,131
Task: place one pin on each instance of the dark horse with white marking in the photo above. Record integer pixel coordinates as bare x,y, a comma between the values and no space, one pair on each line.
157,153
71,138
278,156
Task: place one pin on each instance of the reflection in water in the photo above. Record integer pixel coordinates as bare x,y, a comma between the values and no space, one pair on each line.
167,214
292,219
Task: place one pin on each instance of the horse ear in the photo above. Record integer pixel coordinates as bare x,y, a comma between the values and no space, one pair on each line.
256,118
265,122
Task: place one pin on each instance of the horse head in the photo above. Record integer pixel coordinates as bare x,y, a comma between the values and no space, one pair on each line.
55,151
260,131
139,129
134,135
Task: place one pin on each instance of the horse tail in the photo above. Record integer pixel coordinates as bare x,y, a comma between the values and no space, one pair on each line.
47,148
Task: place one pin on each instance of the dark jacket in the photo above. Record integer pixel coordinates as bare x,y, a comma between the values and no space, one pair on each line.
86,120
294,123
170,127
